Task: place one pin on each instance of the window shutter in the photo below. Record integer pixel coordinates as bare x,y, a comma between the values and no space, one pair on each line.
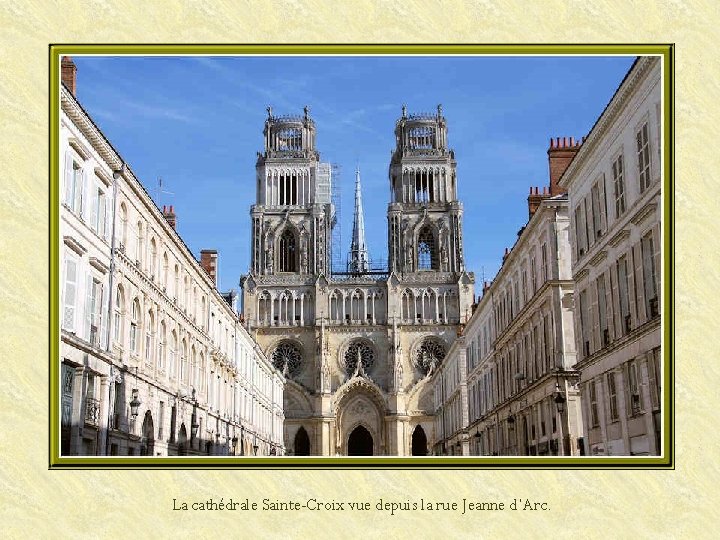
68,179
78,187
88,307
652,367
104,318
603,204
631,287
93,201
107,212
639,284
83,206
595,341
626,389
70,291
656,258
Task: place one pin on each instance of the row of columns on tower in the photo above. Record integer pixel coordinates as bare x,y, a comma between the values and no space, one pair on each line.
285,309
421,186
425,307
284,188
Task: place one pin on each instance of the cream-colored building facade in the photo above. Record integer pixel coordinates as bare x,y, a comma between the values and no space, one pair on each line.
154,360
498,390
357,347
614,186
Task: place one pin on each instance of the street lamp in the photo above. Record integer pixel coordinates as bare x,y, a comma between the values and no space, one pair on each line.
560,400
135,404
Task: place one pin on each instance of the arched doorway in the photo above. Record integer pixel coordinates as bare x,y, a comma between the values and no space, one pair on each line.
148,438
302,443
360,442
182,441
419,442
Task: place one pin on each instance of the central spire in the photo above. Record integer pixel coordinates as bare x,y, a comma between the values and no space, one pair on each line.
358,249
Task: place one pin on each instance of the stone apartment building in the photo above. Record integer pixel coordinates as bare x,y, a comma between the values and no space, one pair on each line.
614,186
508,386
154,359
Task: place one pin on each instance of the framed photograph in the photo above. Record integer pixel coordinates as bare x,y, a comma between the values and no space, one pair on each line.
376,256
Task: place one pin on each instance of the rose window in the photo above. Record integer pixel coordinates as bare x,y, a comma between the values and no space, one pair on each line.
287,357
366,354
429,355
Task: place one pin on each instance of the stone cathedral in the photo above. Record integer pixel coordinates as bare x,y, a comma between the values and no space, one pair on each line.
357,346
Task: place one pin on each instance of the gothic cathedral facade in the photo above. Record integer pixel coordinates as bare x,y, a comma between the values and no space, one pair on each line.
357,347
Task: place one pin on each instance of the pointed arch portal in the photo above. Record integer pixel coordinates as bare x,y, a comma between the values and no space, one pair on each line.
419,442
302,443
360,442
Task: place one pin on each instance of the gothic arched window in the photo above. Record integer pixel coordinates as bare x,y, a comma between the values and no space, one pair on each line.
287,254
427,251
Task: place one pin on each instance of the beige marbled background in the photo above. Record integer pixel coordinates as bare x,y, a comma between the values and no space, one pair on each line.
35,502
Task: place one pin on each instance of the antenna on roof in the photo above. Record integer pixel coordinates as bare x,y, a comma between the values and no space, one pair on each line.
160,191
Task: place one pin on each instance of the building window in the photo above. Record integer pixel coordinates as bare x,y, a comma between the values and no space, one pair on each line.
594,419
69,293
643,154
429,355
161,346
612,391
362,350
134,322
649,277
117,323
140,244
654,376
584,323
602,312
287,254
94,311
153,258
635,401
123,227
619,182
543,262
74,181
623,292
599,208
287,358
148,338
184,372
427,255
98,219
172,352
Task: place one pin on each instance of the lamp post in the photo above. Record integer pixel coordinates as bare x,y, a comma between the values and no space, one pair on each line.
194,425
560,399
135,402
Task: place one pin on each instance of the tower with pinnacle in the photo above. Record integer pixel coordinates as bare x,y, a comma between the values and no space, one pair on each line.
357,347
358,261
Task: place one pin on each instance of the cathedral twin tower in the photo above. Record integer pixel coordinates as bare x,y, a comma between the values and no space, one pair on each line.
357,347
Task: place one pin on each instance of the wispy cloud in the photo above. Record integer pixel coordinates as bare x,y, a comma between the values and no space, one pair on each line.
157,111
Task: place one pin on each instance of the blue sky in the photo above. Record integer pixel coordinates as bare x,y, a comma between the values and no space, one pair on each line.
197,123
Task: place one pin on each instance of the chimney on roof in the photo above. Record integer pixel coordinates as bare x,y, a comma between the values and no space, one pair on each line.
561,152
534,199
209,260
169,215
68,73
